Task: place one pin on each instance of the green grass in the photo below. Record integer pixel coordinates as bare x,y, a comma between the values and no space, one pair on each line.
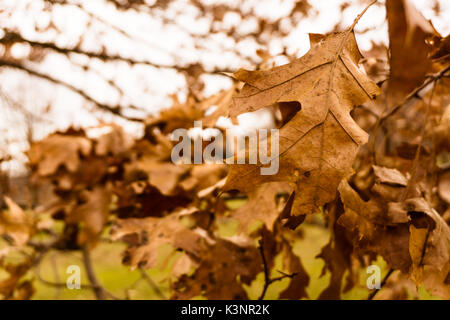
118,279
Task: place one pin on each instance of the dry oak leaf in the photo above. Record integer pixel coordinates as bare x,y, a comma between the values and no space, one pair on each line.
11,288
139,199
155,145
337,255
409,62
429,247
179,115
374,228
318,145
113,140
56,150
203,176
279,242
165,176
183,265
16,224
442,133
218,105
442,50
145,236
92,214
398,287
261,206
299,282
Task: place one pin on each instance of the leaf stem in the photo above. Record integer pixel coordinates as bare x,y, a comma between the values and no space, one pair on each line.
361,14
267,280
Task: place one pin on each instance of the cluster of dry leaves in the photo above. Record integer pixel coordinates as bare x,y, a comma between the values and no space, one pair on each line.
373,157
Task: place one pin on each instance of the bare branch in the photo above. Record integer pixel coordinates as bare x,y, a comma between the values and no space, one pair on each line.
267,280
413,94
13,37
114,110
100,292
383,282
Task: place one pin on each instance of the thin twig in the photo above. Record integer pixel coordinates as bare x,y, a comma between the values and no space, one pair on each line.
13,37
114,110
55,284
267,280
355,22
56,276
100,292
419,148
152,284
413,94
383,282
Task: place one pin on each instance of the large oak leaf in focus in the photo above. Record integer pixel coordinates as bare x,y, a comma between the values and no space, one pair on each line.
318,145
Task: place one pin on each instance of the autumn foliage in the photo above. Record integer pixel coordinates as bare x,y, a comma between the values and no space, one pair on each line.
371,155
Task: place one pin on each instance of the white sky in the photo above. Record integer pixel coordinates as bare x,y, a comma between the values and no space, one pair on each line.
145,86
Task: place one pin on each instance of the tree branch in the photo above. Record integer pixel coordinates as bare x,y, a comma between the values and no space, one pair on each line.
267,280
114,110
152,284
413,94
383,282
99,291
13,37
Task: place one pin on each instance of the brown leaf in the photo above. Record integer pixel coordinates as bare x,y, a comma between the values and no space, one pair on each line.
444,186
224,267
319,144
92,214
203,176
429,246
182,266
409,62
261,206
442,50
56,150
369,220
180,115
164,176
113,142
11,287
280,242
299,282
146,235
389,176
397,287
218,106
16,224
336,255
